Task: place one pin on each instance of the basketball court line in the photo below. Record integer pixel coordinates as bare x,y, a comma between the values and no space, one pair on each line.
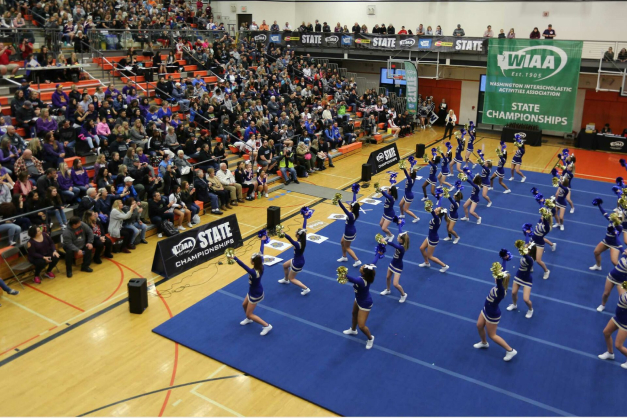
19,305
411,359
211,401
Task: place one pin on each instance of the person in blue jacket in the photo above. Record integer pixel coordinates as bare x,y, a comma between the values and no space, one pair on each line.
363,302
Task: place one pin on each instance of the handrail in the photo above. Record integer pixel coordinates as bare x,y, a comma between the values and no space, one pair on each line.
33,212
198,62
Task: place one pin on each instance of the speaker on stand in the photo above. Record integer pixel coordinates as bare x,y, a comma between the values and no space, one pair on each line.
420,150
274,217
137,295
366,172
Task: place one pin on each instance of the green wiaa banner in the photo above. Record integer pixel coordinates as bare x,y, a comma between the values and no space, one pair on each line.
411,75
532,82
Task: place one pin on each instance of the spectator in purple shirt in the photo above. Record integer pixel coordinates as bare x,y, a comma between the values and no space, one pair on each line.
45,123
60,100
535,34
8,154
80,179
68,191
54,152
111,91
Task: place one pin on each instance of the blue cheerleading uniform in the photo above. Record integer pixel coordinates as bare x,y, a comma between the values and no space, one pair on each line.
434,225
562,193
350,231
474,195
298,261
620,319
396,266
611,233
362,293
500,168
539,231
458,151
523,275
433,171
491,311
445,162
388,207
485,175
409,185
255,289
471,142
452,211
517,160
568,174
619,273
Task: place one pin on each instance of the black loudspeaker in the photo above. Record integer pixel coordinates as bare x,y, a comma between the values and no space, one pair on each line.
420,150
366,172
274,217
137,295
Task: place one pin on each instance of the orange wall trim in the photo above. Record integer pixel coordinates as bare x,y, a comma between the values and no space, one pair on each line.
449,90
605,107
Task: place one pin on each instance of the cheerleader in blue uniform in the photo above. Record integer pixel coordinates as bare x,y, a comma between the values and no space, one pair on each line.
433,178
470,147
363,302
491,313
568,172
255,290
561,196
611,240
500,168
616,277
473,200
294,266
517,160
461,143
537,234
617,323
486,169
350,232
523,276
388,211
444,170
409,196
396,266
428,245
452,216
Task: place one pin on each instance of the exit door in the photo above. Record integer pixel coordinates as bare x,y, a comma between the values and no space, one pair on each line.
244,18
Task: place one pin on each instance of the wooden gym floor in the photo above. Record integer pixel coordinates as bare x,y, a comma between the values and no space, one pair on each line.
71,347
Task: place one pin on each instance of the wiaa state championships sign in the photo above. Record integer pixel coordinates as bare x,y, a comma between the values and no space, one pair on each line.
177,254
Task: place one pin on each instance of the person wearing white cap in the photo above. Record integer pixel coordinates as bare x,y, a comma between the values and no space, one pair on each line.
178,93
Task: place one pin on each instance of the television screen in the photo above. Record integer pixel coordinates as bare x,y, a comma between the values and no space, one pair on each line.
482,83
384,76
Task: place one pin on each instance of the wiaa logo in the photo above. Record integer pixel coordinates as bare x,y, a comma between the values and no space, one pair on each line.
184,247
545,60
617,144
332,39
260,38
407,42
380,157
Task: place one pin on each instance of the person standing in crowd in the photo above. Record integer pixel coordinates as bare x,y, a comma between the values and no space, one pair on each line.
449,124
549,33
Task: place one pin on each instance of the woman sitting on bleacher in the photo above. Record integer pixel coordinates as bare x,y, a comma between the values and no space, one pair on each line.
22,186
130,158
188,196
53,150
80,179
64,178
45,123
134,223
35,146
8,154
132,95
54,199
116,225
244,176
42,253
136,115
103,178
89,135
122,174
35,203
102,129
102,243
179,208
17,102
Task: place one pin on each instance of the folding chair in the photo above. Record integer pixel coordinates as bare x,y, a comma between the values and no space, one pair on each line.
19,268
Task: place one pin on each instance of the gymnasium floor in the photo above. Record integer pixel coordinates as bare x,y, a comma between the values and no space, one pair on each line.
70,346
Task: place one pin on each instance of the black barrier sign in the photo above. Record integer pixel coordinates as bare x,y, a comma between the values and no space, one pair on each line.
177,254
383,158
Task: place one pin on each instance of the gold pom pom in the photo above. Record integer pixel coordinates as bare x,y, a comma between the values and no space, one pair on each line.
402,164
377,187
497,270
616,218
520,245
336,198
426,158
462,176
623,202
428,206
380,239
279,231
550,203
556,181
230,254
546,213
445,192
341,275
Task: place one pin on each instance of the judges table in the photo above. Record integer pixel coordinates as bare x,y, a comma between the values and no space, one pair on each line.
532,138
601,142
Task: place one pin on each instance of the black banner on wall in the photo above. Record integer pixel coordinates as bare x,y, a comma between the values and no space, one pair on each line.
384,158
177,254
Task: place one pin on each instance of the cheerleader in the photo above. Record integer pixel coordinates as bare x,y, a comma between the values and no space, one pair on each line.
473,200
294,266
470,147
444,170
617,323
561,196
451,215
262,186
458,159
396,266
611,239
617,277
568,171
255,290
486,169
500,168
517,159
433,178
424,113
388,212
537,235
523,277
363,302
428,245
350,232
491,313
409,195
